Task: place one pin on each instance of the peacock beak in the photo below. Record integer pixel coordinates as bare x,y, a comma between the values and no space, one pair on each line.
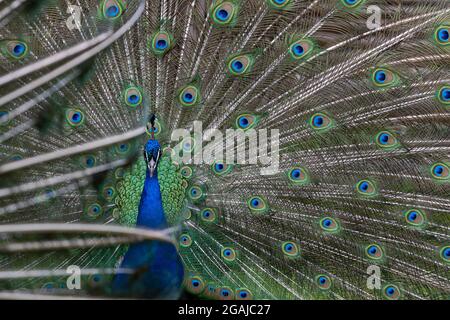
152,166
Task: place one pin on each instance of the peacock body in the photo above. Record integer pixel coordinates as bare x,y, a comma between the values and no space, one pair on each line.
357,208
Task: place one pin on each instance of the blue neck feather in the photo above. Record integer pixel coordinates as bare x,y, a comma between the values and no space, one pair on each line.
160,271
151,212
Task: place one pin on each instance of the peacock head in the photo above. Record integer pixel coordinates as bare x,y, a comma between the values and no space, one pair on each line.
152,153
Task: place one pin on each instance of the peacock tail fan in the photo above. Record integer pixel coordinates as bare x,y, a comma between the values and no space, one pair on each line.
353,94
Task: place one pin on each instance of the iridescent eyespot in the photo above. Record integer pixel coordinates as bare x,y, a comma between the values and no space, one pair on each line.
391,292
298,175
88,161
366,188
49,286
119,173
224,13
443,95
109,193
189,96
329,224
240,65
15,49
382,77
122,148
195,284
278,4
220,168
208,215
225,293
74,117
440,171
320,122
445,253
374,251
442,35
415,217
210,291
186,172
386,140
161,42
185,240
228,254
4,118
246,121
351,3
93,211
243,294
257,204
186,214
156,129
112,9
323,281
188,144
301,48
15,157
97,280
290,249
195,192
133,96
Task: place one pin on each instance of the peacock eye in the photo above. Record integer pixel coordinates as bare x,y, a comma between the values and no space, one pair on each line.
133,96
16,49
186,172
109,193
320,122
440,171
351,3
161,43
323,281
220,168
257,204
443,95
93,211
228,254
224,13
278,4
386,140
225,293
329,224
122,148
374,251
382,77
366,188
415,217
185,240
243,294
240,65
442,35
208,214
88,161
195,284
300,49
112,9
445,253
74,117
391,292
298,175
189,96
246,121
290,249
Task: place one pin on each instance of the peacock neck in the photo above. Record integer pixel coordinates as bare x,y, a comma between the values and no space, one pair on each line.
151,212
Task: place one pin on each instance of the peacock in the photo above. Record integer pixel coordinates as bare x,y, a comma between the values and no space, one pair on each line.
335,185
